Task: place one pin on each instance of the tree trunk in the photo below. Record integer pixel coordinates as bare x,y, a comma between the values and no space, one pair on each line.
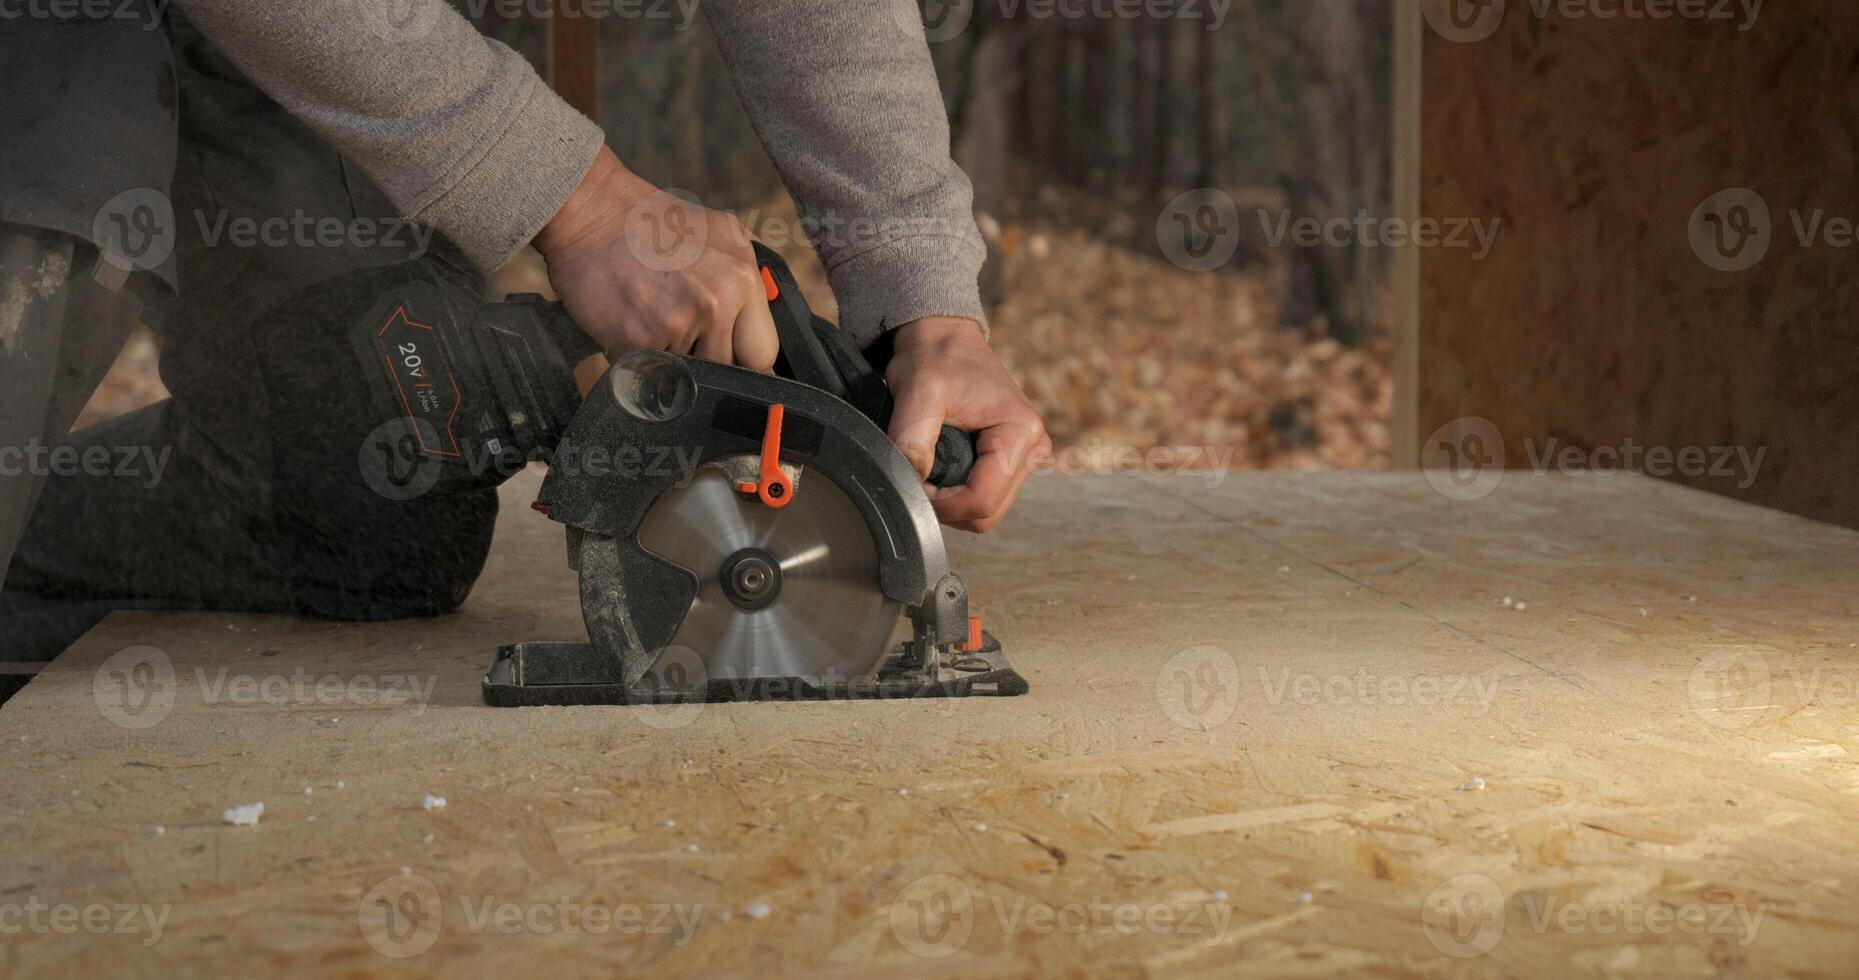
985,147
1145,98
1160,169
1095,132
1042,83
1206,110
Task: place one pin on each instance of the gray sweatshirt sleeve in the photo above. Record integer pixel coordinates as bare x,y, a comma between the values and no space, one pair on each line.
461,133
844,97
456,128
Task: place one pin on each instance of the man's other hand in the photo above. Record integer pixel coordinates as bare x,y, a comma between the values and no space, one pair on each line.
944,372
640,269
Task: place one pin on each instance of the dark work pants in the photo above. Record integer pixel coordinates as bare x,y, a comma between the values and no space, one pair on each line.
223,496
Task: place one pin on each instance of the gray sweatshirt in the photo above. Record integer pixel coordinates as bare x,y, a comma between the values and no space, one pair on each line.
461,133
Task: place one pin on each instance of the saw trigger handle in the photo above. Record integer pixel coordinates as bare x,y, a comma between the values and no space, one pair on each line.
804,355
815,352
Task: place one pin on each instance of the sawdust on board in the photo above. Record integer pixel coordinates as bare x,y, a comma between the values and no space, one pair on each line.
245,815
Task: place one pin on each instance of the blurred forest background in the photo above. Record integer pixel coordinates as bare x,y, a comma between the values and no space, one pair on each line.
1079,132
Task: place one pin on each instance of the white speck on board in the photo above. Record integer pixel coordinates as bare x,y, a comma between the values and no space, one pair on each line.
244,816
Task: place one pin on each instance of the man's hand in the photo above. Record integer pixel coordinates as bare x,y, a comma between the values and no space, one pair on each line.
943,372
642,270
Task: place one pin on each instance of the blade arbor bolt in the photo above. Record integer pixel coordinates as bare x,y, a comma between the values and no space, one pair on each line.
751,578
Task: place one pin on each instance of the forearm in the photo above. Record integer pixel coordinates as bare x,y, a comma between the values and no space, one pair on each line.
846,101
455,128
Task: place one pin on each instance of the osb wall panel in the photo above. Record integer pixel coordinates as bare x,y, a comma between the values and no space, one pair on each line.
1595,320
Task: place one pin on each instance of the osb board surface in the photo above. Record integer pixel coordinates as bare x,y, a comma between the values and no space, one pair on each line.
1253,708
1593,321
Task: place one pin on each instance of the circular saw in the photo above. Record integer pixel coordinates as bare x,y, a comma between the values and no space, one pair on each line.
738,535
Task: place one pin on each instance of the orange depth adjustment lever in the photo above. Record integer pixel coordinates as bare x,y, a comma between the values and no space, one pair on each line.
974,643
774,489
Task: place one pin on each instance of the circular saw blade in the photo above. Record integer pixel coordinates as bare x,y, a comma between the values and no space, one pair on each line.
830,620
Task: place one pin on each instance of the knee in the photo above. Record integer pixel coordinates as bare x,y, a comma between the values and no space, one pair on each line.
401,560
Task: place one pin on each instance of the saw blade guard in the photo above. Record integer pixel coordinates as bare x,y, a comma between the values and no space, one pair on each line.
667,430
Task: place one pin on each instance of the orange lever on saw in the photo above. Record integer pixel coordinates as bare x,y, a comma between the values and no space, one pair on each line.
774,488
974,643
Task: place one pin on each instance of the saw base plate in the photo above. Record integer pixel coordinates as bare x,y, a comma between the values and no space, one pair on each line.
537,674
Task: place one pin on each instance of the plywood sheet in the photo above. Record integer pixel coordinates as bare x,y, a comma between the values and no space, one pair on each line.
1255,704
1598,320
